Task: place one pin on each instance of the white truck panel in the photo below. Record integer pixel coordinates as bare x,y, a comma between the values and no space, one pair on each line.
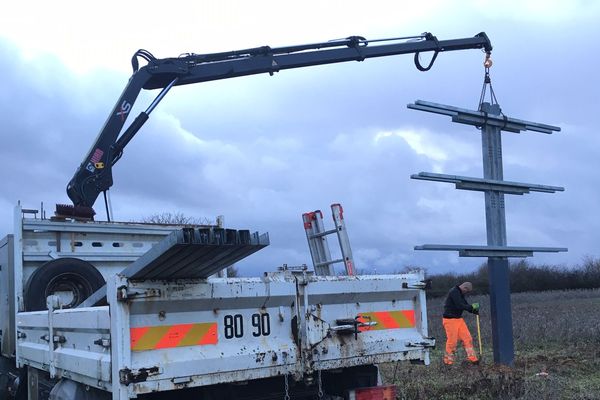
393,315
80,347
171,335
242,311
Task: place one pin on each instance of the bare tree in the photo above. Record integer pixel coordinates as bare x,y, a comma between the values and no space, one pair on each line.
177,218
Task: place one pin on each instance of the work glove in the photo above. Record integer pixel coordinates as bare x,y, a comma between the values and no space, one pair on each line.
475,307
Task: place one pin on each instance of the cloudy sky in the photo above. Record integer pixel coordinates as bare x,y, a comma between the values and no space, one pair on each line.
262,150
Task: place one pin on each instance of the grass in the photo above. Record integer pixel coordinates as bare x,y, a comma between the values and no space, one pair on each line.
557,353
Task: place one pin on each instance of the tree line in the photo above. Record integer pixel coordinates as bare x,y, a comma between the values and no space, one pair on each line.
524,277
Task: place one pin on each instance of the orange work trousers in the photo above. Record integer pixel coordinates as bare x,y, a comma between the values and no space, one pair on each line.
456,330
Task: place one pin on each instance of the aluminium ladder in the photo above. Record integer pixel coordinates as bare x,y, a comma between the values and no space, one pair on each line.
317,241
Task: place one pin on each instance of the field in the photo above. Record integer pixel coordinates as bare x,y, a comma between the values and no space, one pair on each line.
557,353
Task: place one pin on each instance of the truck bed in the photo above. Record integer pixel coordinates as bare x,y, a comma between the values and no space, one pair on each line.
164,335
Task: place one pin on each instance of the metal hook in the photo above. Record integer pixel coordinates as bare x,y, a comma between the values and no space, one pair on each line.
488,61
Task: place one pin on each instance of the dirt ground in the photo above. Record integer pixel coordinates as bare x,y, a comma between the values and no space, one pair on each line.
557,353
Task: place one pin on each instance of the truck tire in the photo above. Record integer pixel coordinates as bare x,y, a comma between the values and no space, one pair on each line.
73,275
11,380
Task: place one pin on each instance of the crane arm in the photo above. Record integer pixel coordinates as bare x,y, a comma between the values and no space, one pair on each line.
94,175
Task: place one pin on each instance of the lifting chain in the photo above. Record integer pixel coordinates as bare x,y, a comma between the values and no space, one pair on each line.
487,81
320,384
287,387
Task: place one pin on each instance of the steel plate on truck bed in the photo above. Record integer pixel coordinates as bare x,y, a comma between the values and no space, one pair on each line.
196,253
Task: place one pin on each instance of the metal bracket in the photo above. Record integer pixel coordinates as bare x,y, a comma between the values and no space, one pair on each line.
55,339
425,284
124,293
102,342
128,376
350,325
53,303
427,343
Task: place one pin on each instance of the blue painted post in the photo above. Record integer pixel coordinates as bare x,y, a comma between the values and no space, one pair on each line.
501,313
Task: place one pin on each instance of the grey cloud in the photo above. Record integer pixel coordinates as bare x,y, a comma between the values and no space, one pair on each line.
262,150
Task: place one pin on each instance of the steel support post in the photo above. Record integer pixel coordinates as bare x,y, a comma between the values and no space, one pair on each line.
495,219
502,333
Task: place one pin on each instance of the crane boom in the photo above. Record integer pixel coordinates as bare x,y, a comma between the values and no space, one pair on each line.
94,175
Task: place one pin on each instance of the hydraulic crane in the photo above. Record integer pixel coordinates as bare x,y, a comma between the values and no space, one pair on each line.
94,175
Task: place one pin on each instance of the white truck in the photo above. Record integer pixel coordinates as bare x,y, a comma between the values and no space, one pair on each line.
110,310
287,333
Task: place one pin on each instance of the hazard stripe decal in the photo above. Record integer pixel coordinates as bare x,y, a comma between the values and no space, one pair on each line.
168,336
387,320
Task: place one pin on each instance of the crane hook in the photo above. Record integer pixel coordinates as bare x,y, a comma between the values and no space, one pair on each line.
488,60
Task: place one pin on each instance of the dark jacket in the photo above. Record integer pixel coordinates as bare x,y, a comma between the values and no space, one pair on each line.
455,304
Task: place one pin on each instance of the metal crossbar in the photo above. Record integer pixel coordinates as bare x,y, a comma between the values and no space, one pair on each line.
490,251
471,117
478,184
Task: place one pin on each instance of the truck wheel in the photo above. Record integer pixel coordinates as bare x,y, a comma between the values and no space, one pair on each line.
72,279
11,380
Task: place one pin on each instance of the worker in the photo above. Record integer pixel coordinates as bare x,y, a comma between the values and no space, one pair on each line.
454,324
